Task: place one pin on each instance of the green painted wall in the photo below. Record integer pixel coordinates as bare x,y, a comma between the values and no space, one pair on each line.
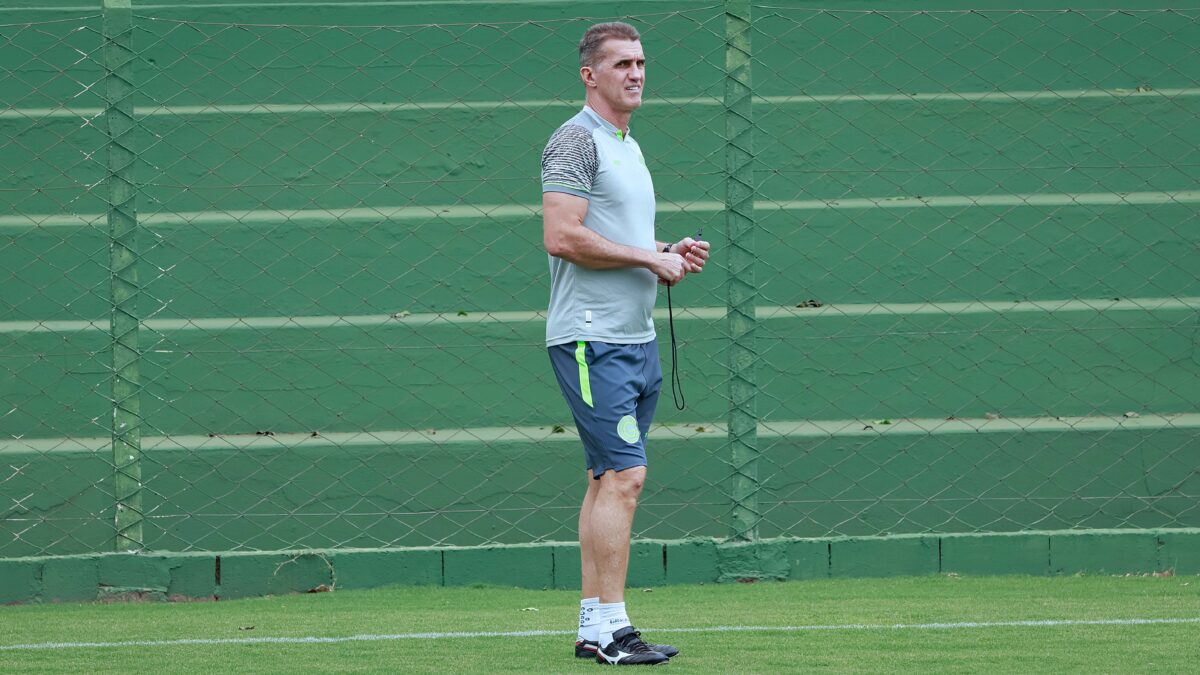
214,245
467,494
180,576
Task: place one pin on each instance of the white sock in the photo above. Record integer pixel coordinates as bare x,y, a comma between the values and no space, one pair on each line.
612,618
589,619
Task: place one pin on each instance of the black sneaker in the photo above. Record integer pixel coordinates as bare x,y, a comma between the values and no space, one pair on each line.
666,650
627,649
586,649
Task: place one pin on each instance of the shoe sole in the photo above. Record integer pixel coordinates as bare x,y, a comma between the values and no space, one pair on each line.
605,662
592,652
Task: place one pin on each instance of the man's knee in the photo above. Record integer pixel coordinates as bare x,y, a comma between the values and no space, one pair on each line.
627,484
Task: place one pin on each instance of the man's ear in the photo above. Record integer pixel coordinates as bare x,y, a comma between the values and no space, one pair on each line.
588,76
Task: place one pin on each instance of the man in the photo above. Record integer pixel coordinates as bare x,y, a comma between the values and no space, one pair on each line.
598,219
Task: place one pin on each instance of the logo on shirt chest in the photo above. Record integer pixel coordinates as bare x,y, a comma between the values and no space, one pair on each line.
640,160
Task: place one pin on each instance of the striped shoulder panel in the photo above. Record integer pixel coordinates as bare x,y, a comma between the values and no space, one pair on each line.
569,162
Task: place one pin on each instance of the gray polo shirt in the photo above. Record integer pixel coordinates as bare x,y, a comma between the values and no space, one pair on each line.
589,157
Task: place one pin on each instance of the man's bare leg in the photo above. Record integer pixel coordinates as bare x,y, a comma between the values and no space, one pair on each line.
591,587
611,521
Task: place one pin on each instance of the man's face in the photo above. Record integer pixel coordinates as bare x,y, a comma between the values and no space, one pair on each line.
620,73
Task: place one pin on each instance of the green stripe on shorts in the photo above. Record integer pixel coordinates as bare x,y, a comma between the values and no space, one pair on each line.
585,384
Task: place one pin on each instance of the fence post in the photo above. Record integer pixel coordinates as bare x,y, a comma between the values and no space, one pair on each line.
742,293
123,274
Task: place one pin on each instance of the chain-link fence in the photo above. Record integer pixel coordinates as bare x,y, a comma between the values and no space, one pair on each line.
281,284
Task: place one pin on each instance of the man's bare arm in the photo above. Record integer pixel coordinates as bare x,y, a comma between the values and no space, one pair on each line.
565,236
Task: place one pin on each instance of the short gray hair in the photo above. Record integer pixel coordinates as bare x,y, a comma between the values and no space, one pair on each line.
593,39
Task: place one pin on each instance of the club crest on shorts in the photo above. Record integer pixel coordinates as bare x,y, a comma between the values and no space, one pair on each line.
627,429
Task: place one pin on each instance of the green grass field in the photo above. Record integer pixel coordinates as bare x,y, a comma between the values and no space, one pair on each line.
941,624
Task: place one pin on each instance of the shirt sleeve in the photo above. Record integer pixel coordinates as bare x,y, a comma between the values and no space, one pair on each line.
569,162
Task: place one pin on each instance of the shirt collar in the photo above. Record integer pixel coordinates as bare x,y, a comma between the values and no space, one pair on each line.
608,126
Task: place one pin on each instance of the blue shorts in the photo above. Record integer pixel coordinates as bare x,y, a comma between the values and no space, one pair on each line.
612,391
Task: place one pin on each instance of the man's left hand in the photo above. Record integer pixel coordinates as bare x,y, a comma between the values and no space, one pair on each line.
694,252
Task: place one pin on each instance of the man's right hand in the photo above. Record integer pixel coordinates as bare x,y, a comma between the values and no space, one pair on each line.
669,267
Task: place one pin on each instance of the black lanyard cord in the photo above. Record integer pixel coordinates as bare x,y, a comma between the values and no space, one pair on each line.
676,383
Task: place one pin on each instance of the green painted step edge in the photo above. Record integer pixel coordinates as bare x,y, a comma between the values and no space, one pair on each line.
179,576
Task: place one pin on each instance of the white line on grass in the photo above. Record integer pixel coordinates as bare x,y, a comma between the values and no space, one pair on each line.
958,625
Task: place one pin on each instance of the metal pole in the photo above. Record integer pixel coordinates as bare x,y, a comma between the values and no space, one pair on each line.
742,292
123,275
